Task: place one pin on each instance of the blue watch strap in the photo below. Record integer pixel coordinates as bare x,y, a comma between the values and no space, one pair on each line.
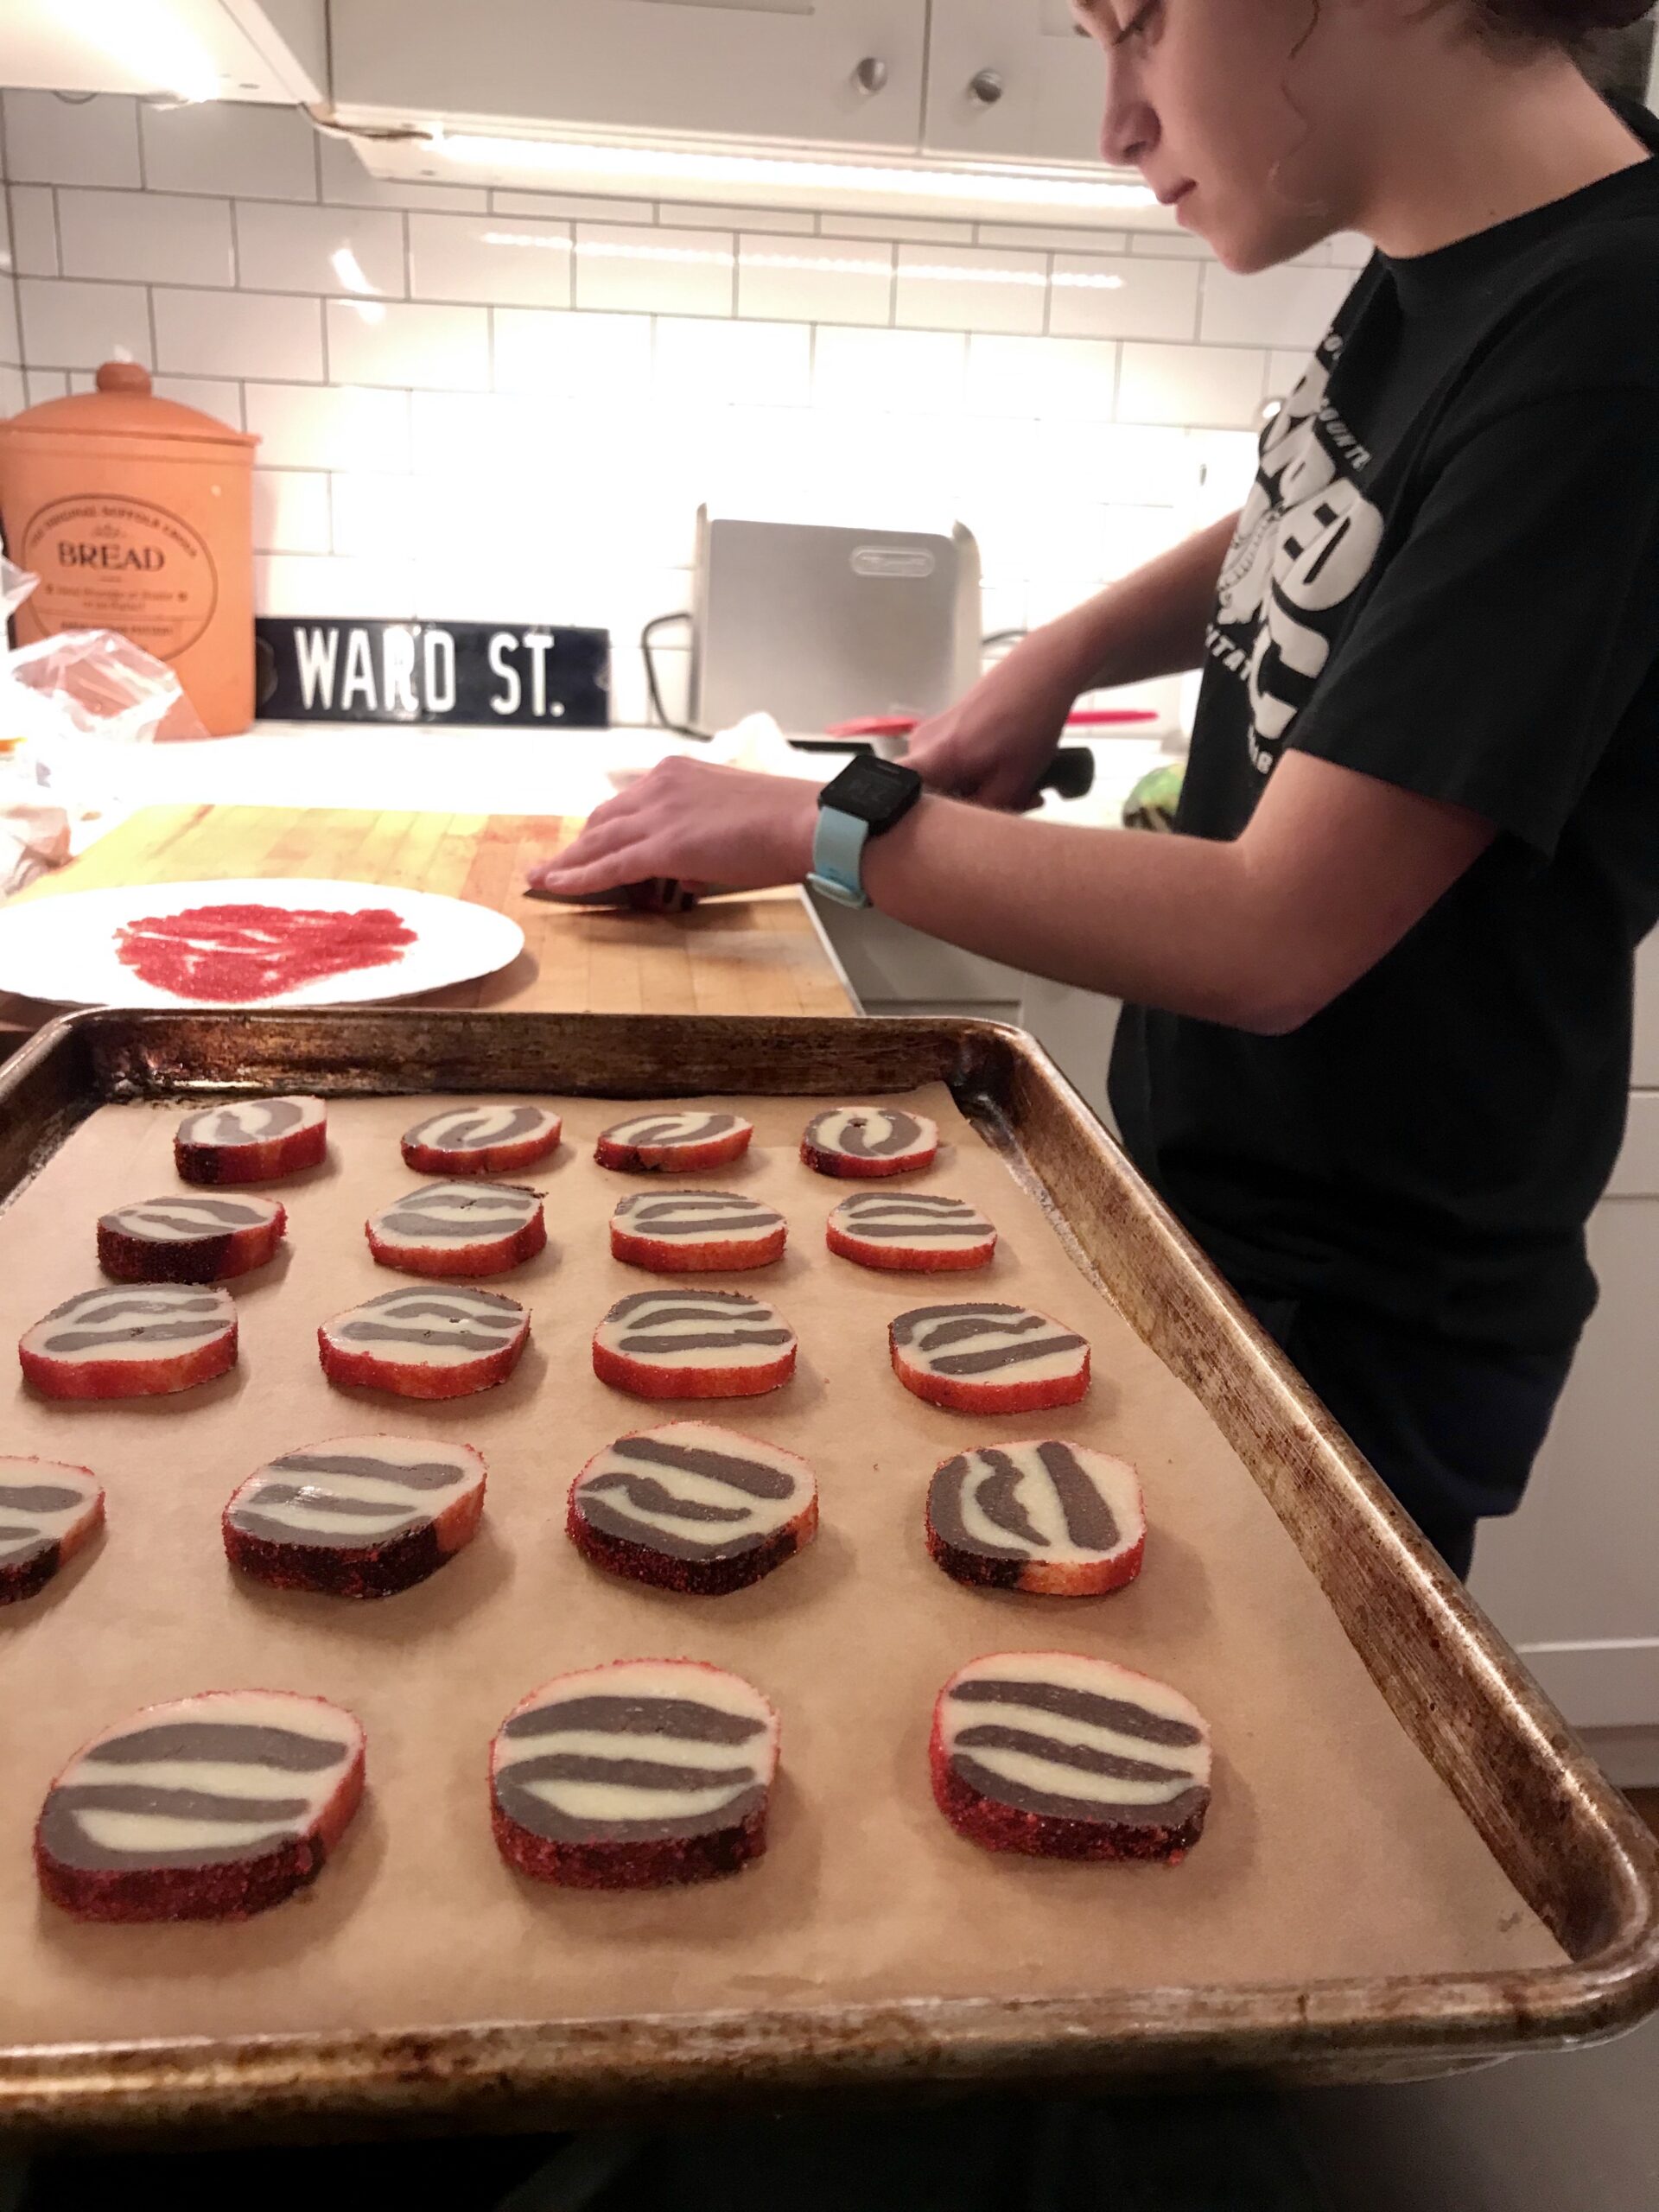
838,857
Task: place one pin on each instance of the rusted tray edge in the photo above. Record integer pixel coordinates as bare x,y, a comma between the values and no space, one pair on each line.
1339,2029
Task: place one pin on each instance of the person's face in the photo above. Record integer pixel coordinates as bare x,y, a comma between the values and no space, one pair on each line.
1242,113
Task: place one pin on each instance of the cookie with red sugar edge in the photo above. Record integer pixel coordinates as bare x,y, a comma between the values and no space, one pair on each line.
209,1807
980,1357
870,1141
432,1340
663,1143
1049,1517
252,1140
911,1232
459,1229
638,1774
685,1342
187,1238
696,1232
692,1507
358,1517
49,1511
1059,1756
482,1139
148,1340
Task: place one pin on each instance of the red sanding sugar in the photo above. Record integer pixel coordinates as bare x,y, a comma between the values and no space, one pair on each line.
257,952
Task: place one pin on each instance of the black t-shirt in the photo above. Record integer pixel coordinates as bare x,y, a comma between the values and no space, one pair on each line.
1446,577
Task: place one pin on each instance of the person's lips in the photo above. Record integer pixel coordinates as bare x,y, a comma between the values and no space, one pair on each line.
1174,194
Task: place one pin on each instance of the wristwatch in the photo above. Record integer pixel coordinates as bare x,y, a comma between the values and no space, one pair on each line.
864,801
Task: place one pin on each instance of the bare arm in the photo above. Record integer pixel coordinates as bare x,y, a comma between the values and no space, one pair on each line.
1261,934
993,744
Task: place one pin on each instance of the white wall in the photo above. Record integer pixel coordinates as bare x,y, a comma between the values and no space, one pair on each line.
510,405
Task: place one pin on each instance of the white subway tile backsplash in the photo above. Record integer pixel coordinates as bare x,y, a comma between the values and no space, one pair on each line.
815,280
623,267
145,237
342,253
384,518
1209,387
317,584
437,348
337,426
920,230
1095,297
494,260
1043,238
718,364
290,511
214,396
599,356
1279,306
573,207
1229,461
969,288
346,183
239,334
1042,378
1170,245
686,215
75,325
52,141
34,232
888,371
1116,465
536,391
233,148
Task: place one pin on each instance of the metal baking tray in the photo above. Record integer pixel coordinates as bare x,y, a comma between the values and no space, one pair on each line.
1566,1840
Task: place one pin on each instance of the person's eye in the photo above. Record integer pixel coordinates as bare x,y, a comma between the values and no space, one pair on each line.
1140,23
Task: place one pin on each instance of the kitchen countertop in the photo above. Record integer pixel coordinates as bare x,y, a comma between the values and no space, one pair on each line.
760,954
484,770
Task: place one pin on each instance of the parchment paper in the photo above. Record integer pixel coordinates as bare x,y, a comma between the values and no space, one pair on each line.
1333,1847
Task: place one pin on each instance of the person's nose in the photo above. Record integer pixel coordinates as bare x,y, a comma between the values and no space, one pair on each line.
1129,129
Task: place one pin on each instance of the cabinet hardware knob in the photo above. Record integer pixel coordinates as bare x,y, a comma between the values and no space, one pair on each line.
987,87
871,74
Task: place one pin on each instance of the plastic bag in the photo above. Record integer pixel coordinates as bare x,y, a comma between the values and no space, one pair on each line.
96,683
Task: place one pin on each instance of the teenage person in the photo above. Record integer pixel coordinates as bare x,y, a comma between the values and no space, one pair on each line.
1377,1041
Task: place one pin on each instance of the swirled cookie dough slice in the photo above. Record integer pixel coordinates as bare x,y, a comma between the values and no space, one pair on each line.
211,1808
254,1141
692,1507
641,1774
1063,1757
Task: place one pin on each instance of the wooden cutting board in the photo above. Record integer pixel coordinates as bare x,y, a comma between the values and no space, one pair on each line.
759,954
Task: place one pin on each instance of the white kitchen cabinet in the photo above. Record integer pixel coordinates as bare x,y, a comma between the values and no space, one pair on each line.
228,50
1571,1580
840,71
1011,79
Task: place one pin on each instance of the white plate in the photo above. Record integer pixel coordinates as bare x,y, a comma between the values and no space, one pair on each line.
63,950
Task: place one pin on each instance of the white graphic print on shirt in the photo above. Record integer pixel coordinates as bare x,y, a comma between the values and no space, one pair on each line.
1306,542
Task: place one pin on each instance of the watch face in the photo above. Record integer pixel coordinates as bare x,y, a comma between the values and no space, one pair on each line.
876,791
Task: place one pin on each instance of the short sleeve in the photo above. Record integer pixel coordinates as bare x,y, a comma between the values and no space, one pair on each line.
1507,636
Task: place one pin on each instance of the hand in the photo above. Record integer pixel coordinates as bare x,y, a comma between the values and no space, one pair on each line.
696,822
994,745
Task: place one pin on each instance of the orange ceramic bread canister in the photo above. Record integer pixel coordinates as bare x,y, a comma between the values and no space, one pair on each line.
136,515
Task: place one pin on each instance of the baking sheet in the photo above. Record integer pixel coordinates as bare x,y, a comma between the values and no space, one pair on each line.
1332,1849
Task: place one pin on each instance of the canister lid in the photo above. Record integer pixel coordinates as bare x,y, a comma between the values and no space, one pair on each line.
124,406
